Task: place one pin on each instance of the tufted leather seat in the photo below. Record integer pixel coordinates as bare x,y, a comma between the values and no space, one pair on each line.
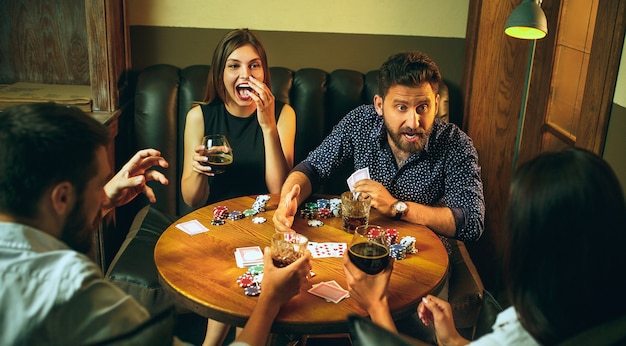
163,96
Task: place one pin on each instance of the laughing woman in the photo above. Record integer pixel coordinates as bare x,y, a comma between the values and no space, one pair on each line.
239,104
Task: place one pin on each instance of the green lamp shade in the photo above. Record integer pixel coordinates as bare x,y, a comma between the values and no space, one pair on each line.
527,22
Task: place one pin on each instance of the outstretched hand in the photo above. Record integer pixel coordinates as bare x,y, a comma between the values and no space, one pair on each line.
131,180
436,311
287,209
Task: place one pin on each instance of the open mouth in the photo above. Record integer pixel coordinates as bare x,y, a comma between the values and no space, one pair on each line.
243,91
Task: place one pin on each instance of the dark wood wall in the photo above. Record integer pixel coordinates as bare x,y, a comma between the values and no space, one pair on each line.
44,42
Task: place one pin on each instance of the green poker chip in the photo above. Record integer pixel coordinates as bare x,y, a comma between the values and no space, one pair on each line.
254,270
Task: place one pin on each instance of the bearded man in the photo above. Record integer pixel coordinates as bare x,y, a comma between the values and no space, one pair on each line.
423,170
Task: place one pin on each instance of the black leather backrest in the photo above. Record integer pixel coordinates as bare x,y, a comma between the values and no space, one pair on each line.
155,125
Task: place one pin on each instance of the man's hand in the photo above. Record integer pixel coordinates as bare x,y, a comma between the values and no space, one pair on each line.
132,178
382,200
287,209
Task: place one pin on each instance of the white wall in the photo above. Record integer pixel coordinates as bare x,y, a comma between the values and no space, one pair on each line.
440,18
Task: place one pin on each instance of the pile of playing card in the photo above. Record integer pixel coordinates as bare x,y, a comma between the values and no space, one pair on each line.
248,256
327,249
329,290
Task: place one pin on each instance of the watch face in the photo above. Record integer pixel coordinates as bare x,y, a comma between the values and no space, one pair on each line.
400,207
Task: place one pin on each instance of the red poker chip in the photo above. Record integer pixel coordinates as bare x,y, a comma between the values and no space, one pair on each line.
245,280
220,212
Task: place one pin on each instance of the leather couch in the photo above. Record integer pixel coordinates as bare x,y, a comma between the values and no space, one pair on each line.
163,95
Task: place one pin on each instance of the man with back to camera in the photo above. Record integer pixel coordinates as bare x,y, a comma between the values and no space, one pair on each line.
422,170
55,186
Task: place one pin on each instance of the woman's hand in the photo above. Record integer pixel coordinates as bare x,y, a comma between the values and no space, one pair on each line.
438,312
264,99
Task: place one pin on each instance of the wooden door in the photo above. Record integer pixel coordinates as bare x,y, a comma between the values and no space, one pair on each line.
579,61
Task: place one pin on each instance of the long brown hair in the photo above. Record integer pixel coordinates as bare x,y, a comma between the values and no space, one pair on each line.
564,246
229,43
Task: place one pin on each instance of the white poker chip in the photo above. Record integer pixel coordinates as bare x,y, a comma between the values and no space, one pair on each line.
259,219
316,223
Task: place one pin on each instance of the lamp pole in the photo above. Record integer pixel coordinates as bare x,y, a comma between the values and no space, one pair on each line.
522,112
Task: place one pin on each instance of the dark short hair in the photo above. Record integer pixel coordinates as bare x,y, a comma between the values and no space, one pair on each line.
409,69
227,45
563,250
43,144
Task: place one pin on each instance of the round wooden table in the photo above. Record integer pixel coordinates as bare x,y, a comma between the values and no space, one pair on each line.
201,272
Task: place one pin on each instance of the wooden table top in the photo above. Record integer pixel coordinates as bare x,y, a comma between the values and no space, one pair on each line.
201,271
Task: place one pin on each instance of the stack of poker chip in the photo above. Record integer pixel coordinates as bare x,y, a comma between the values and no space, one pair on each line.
323,208
391,235
373,233
323,203
397,251
409,244
335,206
250,212
219,214
260,202
235,215
250,281
309,211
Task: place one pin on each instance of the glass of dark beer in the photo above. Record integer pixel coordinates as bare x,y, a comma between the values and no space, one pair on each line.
368,249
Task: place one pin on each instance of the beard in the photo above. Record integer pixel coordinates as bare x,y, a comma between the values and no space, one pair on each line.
409,147
78,230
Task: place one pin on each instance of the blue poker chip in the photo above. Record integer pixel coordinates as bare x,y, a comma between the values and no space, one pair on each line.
235,215
218,222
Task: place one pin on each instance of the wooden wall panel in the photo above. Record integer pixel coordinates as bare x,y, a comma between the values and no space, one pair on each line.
492,87
43,42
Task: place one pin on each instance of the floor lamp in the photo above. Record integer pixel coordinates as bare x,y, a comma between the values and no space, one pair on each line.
526,22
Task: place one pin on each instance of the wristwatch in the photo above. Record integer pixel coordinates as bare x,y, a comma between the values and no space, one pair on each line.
400,208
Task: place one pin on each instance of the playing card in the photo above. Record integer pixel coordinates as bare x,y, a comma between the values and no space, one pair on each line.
192,227
363,173
327,249
248,256
329,292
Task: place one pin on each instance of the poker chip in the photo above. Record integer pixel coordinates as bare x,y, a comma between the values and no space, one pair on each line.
260,202
323,203
246,280
311,205
262,198
392,236
218,222
253,290
255,270
235,215
259,219
373,233
409,243
308,214
250,212
335,206
220,212
316,223
324,213
397,251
